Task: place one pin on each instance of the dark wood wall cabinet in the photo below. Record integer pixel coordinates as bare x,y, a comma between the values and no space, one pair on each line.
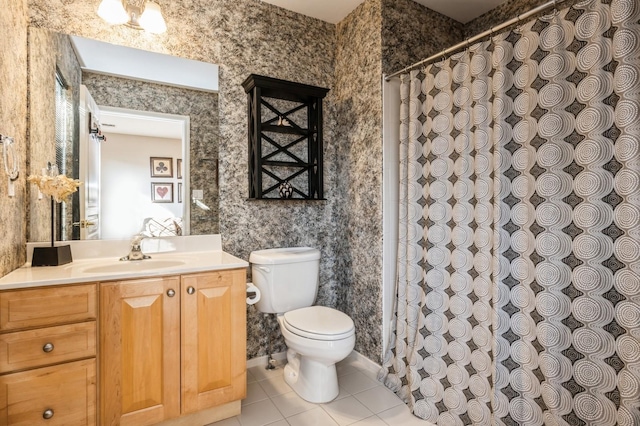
285,139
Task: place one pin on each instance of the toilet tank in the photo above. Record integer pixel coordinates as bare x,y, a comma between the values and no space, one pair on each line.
287,278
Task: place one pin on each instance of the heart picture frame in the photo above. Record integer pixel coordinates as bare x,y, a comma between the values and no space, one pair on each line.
162,192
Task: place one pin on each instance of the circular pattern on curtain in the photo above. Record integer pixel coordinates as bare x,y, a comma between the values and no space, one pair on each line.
521,170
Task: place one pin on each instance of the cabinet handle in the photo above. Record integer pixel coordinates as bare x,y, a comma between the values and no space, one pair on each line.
171,292
191,290
47,414
48,347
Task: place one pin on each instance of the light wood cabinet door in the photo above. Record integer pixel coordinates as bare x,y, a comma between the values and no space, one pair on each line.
140,351
61,395
213,339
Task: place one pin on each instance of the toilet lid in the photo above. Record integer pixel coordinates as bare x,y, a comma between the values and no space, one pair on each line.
319,322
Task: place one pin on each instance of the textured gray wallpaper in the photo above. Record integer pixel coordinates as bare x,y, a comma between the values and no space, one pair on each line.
412,32
500,14
359,108
13,122
49,53
262,39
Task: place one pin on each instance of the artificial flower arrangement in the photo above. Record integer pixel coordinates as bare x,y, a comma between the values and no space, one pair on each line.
58,187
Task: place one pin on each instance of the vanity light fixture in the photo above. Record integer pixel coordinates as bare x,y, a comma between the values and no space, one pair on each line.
138,14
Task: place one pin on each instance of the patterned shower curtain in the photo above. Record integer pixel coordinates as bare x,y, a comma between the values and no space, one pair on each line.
518,288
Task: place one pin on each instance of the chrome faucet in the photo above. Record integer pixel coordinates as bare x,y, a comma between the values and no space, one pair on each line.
136,250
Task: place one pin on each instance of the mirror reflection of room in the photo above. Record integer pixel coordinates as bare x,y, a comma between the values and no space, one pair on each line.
141,166
111,121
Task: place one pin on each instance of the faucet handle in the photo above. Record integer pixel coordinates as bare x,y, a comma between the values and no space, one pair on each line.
136,249
136,242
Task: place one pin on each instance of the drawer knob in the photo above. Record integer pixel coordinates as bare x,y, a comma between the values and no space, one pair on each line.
48,348
191,290
171,292
48,413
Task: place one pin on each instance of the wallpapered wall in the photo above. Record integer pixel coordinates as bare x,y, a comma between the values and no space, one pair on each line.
13,122
359,109
49,53
248,36
411,32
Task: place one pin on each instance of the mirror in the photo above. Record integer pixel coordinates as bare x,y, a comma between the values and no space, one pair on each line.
57,70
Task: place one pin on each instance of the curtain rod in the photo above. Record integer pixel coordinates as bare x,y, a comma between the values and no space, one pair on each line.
468,41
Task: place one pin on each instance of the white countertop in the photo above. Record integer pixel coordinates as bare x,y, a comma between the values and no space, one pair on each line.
98,261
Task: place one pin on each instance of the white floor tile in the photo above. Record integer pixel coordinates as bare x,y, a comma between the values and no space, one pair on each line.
261,373
279,423
255,393
275,386
378,399
371,421
372,374
290,404
250,378
233,421
354,361
342,393
357,382
362,401
347,411
343,368
315,417
400,415
259,414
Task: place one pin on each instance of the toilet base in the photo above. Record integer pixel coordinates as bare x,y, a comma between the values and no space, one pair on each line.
313,381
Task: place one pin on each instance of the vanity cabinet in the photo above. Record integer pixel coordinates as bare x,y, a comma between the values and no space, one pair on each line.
173,347
47,356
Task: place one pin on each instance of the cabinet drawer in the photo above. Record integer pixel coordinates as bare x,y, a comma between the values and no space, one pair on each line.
67,390
47,306
46,346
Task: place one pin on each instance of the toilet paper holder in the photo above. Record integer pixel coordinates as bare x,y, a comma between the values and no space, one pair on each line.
253,294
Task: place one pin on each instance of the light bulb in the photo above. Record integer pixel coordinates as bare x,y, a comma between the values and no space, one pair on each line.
152,20
113,12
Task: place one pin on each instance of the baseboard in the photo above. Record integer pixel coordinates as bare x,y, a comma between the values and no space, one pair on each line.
262,360
365,363
355,357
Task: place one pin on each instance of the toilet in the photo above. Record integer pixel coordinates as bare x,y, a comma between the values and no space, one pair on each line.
316,336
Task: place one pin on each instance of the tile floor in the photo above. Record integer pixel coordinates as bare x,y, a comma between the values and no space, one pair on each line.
363,401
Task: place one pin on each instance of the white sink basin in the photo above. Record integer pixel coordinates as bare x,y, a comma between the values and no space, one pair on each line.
133,266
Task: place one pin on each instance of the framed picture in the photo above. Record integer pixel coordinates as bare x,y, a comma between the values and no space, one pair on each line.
161,167
179,168
161,192
179,192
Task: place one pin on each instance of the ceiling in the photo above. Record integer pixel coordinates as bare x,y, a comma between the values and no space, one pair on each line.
126,62
333,11
114,121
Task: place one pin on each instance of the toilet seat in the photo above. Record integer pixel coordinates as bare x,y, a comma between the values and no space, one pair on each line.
319,323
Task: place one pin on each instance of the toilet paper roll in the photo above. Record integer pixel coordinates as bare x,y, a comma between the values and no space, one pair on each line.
252,300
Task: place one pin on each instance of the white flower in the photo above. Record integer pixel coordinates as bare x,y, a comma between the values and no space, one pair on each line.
59,187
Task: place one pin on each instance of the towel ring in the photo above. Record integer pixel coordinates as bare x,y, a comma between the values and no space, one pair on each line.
10,157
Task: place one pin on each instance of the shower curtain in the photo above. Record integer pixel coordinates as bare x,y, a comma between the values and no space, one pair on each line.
518,287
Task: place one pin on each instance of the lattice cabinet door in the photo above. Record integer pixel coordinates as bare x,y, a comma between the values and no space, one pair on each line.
285,139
